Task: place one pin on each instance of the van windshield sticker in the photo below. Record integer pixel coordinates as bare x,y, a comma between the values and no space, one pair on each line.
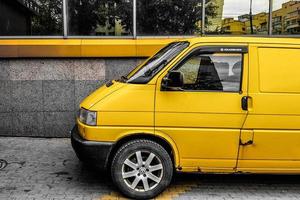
230,50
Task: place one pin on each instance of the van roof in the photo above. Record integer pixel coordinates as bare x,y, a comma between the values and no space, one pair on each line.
247,39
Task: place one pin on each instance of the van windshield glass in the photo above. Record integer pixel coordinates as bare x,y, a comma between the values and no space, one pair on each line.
157,62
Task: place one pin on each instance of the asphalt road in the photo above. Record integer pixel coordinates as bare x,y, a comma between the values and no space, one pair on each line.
49,169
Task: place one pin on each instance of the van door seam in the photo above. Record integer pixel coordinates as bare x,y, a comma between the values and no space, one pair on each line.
246,116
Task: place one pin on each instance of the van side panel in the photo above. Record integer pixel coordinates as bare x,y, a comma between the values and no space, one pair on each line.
274,115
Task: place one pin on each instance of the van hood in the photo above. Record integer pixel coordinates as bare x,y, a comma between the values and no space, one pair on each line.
100,94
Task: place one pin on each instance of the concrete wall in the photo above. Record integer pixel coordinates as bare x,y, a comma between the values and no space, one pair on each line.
40,97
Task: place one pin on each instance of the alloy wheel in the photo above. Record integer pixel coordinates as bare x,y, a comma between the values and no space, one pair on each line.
142,171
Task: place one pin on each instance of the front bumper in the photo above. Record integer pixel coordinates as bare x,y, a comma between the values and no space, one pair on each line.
91,151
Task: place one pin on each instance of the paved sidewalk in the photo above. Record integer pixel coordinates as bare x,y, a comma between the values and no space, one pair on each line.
49,169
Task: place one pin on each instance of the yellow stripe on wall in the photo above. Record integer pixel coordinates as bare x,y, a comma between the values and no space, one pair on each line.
19,48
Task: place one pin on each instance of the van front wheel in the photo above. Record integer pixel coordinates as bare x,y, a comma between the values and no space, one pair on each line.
141,169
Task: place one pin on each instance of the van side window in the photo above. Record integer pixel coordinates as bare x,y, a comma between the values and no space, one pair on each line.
216,71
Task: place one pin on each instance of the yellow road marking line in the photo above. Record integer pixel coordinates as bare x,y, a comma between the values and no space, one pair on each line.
174,191
171,192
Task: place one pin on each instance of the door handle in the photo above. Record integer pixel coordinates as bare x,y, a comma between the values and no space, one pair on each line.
250,142
245,103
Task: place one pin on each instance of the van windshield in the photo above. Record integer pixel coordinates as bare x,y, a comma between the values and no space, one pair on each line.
157,62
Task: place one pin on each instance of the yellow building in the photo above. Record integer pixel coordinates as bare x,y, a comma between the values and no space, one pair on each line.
108,30
287,18
259,23
243,25
232,26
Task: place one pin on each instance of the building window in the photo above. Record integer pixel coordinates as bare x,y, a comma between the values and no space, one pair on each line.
169,17
242,17
31,18
111,18
100,17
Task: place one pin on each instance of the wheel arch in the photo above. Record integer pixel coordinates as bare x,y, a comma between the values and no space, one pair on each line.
166,143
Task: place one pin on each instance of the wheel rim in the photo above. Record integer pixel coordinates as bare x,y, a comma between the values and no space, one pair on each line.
142,171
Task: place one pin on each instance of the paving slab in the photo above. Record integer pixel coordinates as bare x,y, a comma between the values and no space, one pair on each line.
49,169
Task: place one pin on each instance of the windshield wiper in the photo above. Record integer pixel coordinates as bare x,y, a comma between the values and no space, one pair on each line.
150,71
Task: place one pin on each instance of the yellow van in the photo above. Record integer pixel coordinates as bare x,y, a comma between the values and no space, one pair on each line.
208,105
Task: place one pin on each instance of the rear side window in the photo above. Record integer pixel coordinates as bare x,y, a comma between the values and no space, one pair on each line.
212,72
279,70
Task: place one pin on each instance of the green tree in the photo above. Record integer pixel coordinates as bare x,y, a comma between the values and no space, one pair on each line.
48,19
86,15
83,16
170,17
154,17
159,17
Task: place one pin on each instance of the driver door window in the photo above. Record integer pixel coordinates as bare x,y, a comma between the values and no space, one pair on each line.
212,72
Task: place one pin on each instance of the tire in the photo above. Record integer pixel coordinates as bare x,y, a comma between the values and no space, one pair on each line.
141,169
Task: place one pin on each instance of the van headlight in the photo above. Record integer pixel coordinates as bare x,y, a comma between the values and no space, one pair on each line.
87,117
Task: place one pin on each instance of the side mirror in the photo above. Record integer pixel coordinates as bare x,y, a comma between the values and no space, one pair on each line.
173,81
